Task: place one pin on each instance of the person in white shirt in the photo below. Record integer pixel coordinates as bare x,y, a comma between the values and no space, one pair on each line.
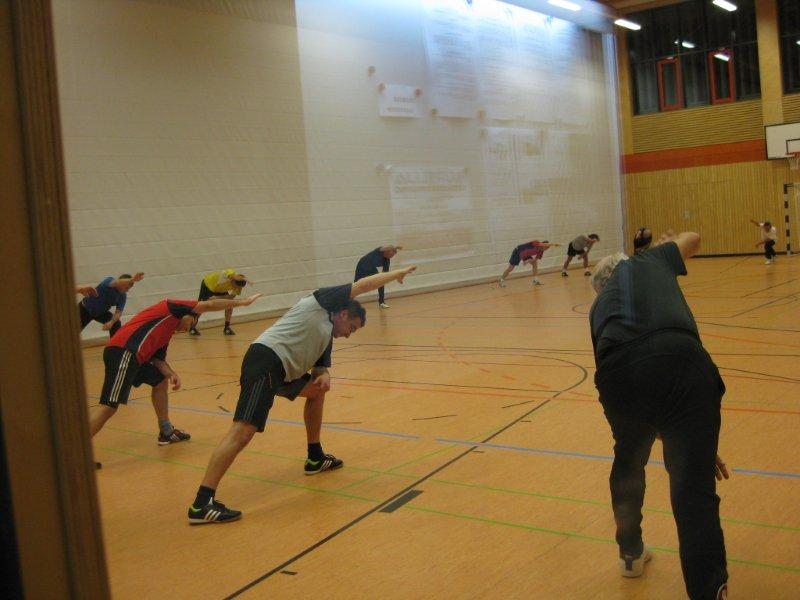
769,236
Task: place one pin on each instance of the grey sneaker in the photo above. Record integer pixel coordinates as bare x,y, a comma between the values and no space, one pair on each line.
633,566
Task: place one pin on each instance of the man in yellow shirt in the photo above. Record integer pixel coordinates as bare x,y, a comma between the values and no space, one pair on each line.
221,284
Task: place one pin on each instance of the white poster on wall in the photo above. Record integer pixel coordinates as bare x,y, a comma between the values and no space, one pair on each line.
450,46
432,212
499,172
497,59
399,101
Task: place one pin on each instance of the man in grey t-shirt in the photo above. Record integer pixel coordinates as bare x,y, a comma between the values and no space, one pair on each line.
278,363
580,246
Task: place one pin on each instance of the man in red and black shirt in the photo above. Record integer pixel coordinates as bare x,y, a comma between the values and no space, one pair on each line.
529,253
137,354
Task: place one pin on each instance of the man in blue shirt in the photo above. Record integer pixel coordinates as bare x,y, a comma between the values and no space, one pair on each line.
109,292
376,261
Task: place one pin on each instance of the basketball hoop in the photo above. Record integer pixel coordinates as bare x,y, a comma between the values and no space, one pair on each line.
794,160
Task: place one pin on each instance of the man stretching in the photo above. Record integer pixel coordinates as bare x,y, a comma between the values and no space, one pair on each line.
580,246
529,253
277,364
377,260
221,284
109,292
769,236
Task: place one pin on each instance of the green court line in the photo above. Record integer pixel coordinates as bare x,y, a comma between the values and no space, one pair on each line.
242,475
568,534
580,536
374,473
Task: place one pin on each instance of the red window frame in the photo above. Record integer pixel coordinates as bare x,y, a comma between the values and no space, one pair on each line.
678,83
712,78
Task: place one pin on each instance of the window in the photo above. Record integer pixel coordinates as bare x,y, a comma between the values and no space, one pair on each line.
789,32
670,89
678,56
720,66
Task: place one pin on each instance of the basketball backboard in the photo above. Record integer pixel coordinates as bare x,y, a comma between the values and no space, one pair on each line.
782,140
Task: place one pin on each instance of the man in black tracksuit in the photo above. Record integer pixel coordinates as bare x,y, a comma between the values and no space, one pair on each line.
372,262
656,379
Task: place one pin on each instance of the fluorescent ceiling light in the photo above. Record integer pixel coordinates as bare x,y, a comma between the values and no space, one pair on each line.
686,44
798,42
729,6
565,4
631,25
722,56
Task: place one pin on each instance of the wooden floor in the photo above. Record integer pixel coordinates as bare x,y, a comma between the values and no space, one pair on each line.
481,400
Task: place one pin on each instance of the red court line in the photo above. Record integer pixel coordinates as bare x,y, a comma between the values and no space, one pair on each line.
735,339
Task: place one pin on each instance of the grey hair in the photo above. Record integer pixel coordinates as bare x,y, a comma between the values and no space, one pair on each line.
604,268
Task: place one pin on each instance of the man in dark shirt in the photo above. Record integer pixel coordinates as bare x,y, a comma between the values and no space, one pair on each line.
372,262
656,379
109,292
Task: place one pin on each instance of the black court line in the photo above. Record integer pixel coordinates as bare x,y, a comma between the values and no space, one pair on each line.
767,376
744,312
404,499
439,417
447,385
518,403
750,327
735,265
770,287
375,509
219,406
289,572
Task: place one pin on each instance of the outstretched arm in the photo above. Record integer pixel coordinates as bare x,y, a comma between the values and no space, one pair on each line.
223,304
688,242
85,290
373,282
136,278
756,223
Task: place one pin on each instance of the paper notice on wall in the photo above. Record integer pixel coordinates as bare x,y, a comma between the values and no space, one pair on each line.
499,172
399,101
432,212
450,45
497,59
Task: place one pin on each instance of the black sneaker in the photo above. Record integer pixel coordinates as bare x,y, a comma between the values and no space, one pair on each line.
564,274
213,512
98,466
327,463
193,331
587,273
173,437
228,331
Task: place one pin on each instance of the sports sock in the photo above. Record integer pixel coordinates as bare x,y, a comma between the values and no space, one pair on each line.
165,427
204,495
315,451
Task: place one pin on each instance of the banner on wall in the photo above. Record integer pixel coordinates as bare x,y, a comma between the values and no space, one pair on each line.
399,101
432,212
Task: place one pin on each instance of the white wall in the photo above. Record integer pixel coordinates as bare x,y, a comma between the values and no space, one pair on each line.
212,134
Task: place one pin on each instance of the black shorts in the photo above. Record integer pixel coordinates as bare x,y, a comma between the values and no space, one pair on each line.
515,258
261,380
104,318
206,293
573,253
122,372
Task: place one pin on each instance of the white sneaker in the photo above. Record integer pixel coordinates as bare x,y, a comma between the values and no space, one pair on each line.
564,273
502,282
383,305
634,567
536,281
722,592
768,261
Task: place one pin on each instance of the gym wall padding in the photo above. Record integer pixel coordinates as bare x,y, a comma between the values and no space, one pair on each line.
205,135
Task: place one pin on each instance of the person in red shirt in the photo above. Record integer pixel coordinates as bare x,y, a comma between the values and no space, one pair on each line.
137,354
529,253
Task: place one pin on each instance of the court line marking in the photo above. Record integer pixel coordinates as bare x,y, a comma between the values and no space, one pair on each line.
413,437
421,509
374,473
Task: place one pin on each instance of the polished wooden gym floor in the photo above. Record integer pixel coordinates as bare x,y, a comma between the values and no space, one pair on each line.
474,408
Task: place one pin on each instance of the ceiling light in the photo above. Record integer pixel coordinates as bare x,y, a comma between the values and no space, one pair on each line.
722,56
686,44
631,25
565,4
729,6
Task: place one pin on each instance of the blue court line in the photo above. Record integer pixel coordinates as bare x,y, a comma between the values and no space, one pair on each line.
600,457
407,436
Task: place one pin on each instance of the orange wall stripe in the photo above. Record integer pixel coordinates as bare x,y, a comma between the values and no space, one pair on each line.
698,156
